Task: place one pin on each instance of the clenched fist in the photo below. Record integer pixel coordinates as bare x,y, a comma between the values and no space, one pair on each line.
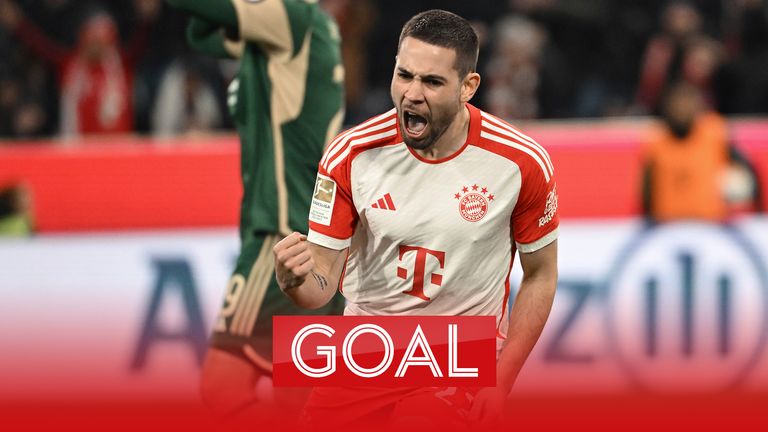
293,261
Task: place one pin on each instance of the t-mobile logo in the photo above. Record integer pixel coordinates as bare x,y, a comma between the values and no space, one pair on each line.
419,268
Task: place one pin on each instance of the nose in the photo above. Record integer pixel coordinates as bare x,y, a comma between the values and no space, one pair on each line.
414,92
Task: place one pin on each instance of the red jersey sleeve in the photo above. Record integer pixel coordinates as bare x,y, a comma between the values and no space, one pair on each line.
332,215
535,220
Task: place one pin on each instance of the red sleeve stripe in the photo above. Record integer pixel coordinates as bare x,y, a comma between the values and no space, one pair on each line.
392,131
369,126
347,141
517,136
525,149
505,303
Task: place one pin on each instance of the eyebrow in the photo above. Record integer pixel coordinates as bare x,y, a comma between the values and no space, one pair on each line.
431,77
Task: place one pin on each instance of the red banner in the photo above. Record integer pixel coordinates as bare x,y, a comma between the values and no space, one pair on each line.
392,351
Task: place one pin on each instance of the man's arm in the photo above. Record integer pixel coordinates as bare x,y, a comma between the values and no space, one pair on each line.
209,19
13,19
526,321
529,312
308,273
209,38
219,12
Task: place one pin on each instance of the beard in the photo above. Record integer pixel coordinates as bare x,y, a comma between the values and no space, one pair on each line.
436,124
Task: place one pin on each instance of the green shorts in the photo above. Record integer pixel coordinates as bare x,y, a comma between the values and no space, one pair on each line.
244,324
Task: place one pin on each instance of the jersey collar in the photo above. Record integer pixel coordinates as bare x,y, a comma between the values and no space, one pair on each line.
473,136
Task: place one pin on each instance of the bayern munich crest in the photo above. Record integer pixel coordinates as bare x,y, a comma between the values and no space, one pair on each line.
473,202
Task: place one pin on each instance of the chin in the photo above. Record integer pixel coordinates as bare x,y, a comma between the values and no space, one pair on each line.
418,144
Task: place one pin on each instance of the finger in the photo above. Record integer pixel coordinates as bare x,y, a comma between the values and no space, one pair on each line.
284,255
304,268
290,240
298,259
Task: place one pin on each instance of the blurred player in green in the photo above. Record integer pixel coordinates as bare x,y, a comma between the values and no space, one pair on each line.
287,102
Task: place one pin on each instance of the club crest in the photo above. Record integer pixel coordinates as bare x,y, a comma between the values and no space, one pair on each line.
473,202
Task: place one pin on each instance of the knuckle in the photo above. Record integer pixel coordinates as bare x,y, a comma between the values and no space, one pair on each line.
283,256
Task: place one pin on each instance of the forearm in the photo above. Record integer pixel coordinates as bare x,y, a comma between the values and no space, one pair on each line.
219,12
526,321
42,45
316,290
206,37
308,273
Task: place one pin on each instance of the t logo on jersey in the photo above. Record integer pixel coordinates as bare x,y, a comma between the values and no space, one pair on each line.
419,269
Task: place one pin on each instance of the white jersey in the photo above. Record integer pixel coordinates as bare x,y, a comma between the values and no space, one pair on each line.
433,237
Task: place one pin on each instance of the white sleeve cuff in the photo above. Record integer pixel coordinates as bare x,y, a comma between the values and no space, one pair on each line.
328,241
540,243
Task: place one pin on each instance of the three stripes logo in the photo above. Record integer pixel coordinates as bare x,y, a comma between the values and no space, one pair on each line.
384,203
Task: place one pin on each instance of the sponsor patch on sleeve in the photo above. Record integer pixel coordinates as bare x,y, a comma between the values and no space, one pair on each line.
550,209
322,200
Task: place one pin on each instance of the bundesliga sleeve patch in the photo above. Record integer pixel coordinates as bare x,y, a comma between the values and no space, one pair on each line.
322,200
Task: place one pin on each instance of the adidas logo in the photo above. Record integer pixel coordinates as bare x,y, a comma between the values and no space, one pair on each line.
384,203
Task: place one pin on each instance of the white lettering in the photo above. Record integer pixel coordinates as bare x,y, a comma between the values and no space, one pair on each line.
409,359
328,351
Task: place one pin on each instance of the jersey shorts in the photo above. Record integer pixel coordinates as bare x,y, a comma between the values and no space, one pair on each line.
252,298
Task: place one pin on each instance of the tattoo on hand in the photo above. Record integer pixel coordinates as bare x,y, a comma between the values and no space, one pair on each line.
320,280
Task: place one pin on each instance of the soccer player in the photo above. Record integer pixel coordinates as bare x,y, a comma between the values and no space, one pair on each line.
419,211
287,102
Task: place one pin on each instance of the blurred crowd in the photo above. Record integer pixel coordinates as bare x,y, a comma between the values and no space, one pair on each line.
72,68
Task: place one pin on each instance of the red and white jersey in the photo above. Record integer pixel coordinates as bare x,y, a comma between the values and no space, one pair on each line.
433,237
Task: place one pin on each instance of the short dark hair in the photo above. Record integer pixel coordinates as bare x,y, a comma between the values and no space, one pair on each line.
448,30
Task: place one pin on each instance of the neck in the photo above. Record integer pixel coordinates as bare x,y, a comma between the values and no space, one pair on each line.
452,139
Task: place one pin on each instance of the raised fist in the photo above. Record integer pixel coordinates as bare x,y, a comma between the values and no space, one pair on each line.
293,261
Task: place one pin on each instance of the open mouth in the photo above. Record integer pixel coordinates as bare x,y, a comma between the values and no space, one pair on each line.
415,125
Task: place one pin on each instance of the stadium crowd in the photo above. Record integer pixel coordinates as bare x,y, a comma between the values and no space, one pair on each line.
72,68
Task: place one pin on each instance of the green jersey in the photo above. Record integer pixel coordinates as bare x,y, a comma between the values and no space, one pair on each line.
287,103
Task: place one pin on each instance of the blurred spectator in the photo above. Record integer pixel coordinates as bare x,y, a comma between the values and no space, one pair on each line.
743,88
583,58
356,20
168,44
21,113
95,76
15,213
515,69
185,102
701,64
663,59
690,169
